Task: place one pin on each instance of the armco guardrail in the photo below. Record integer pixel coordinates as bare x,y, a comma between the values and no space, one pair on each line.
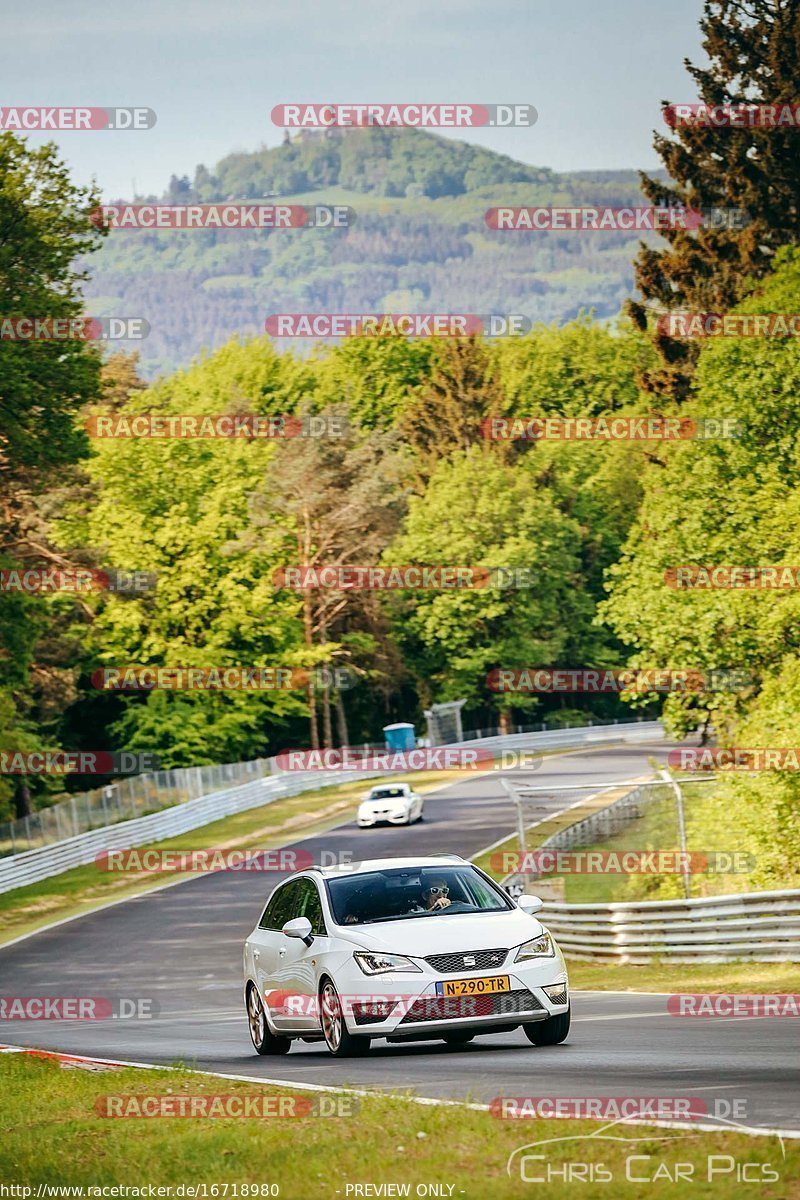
34,865
761,926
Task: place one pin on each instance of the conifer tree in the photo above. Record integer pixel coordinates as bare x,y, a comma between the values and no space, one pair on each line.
750,173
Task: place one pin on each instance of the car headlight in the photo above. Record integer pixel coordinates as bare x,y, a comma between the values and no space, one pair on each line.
539,947
375,963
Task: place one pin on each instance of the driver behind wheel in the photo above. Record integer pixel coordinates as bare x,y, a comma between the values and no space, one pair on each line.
434,896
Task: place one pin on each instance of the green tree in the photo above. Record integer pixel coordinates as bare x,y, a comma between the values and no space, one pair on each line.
177,507
332,501
728,502
44,231
478,511
753,47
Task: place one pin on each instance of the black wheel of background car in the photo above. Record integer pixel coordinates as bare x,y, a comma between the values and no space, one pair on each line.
548,1032
338,1038
263,1039
459,1037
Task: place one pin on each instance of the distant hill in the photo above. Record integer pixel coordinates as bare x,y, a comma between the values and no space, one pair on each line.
382,162
419,243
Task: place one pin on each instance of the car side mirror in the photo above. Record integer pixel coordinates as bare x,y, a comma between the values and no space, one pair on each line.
529,904
300,928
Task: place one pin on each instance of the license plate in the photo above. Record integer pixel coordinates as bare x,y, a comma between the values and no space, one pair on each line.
485,985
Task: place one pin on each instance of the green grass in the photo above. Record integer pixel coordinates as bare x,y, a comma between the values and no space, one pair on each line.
759,978
51,1133
712,824
26,909
659,824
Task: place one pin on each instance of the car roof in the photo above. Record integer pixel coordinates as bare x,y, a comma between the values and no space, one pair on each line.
383,864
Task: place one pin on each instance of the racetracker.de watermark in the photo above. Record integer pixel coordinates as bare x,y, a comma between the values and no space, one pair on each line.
385,1005
216,679
622,862
732,116
609,429
733,1004
70,329
441,577
78,1008
222,216
408,115
238,426
702,325
746,579
224,1105
439,758
78,762
636,219
83,580
27,119
335,325
618,1108
738,758
210,859
599,681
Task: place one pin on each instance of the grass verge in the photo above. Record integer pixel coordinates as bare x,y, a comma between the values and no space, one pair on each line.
657,976
755,977
52,1134
715,824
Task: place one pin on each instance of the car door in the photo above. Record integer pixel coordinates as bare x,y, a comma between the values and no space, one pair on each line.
297,963
267,941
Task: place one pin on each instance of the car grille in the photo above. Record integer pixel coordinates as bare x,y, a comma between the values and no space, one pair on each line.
447,1008
469,960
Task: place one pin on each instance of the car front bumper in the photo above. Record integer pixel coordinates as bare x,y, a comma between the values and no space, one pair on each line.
409,1004
394,817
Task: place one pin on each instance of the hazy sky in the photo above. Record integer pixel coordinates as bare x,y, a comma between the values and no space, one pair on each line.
212,71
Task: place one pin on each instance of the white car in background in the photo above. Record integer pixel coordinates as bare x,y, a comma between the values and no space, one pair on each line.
392,804
405,949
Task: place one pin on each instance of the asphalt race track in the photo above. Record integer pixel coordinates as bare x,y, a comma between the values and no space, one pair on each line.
182,946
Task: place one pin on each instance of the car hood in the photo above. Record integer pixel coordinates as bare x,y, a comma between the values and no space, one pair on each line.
421,936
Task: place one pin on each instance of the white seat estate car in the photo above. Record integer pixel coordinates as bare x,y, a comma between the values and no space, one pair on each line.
402,949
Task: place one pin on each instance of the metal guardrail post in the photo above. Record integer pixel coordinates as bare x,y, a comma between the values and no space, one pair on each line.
685,865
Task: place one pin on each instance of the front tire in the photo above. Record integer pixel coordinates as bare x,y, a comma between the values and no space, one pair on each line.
264,1040
549,1032
340,1041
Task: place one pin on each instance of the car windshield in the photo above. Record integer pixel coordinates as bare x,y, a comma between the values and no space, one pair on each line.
386,793
405,893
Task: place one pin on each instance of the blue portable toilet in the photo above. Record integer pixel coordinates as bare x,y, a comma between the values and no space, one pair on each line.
400,736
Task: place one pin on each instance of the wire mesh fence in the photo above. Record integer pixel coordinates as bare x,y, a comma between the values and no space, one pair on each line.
541,826
122,800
